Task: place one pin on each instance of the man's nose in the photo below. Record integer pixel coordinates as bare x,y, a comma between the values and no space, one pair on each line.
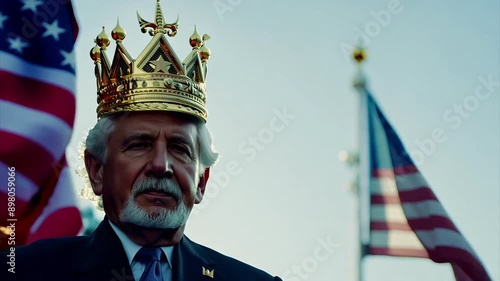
160,164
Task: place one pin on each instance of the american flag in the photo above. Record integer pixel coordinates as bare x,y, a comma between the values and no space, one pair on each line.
406,218
37,111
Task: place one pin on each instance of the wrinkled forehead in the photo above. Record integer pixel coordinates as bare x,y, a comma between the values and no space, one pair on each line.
156,122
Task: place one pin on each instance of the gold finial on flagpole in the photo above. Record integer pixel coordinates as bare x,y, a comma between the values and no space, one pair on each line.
359,54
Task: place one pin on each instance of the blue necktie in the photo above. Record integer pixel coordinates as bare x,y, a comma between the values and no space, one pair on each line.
151,258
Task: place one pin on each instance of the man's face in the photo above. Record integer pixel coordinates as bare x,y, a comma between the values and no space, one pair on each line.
145,149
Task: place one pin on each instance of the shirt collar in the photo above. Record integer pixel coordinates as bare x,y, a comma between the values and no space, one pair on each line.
132,248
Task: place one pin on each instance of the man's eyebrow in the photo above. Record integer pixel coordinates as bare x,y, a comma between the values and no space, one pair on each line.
137,137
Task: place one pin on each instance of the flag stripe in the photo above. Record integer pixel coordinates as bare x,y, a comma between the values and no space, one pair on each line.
25,187
45,130
29,166
417,194
412,196
383,186
391,185
39,96
416,224
389,213
432,222
401,212
439,237
385,199
395,239
22,68
62,197
387,226
423,209
398,252
394,172
72,224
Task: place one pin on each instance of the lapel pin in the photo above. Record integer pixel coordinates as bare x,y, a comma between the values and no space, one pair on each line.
207,272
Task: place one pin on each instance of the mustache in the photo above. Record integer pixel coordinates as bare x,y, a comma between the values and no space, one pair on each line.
154,184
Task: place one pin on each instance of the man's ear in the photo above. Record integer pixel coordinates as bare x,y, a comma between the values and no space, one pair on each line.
200,191
94,171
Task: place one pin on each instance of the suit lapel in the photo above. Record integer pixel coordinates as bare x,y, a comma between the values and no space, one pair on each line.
103,257
190,263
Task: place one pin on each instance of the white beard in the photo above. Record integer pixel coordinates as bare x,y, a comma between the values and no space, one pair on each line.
160,218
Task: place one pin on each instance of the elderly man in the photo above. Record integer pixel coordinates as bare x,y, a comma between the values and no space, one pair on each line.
149,156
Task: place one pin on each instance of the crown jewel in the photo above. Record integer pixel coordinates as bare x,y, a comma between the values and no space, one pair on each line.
156,80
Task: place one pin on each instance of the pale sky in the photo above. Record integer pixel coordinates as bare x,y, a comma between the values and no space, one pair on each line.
281,107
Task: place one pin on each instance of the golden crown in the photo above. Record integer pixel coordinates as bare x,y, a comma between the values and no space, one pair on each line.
156,80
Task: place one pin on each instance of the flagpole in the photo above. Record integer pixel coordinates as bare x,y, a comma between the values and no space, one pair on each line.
359,164
359,84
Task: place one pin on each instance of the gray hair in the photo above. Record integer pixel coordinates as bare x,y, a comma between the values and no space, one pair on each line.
97,141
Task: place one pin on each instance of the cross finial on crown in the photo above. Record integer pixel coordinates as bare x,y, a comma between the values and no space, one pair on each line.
158,26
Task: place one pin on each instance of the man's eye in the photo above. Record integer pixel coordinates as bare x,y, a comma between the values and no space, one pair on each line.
139,146
179,149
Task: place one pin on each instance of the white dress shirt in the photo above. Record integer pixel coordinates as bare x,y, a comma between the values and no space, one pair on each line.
131,250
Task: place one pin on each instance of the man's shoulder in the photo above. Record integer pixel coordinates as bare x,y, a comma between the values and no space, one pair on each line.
232,267
55,248
40,257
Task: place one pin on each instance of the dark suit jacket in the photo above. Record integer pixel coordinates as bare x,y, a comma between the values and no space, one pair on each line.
100,256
